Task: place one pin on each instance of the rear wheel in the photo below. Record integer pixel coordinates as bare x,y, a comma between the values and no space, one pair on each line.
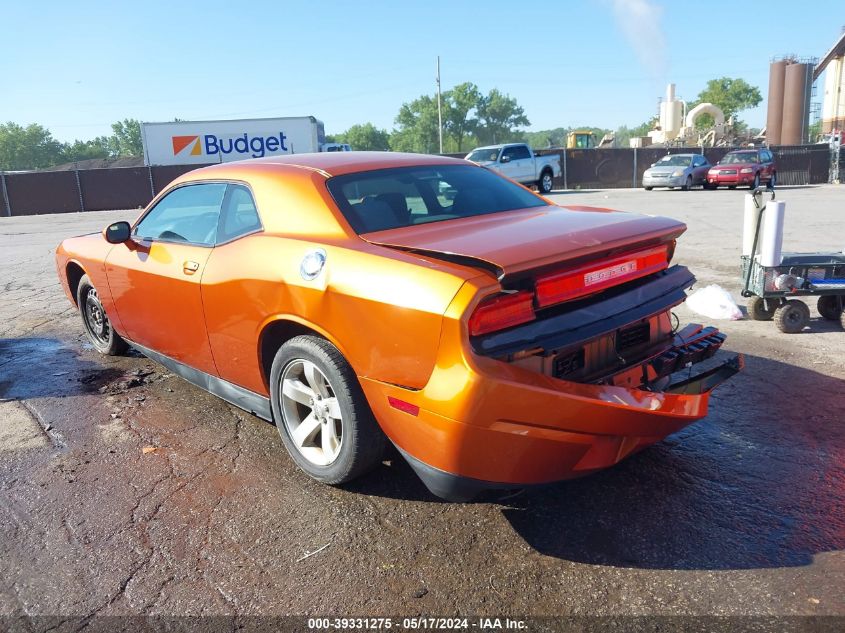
97,325
321,412
546,182
648,188
792,316
830,307
757,310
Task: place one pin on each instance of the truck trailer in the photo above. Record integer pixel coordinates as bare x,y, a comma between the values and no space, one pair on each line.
204,142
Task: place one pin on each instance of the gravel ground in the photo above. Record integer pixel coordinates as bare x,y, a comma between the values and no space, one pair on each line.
125,490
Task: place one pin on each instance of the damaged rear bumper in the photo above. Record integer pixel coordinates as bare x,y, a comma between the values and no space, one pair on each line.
484,422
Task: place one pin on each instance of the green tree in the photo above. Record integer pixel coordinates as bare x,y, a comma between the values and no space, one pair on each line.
416,127
30,147
542,139
498,116
732,96
126,140
468,118
100,147
458,103
364,137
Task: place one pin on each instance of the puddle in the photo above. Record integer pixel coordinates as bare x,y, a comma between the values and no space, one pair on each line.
46,367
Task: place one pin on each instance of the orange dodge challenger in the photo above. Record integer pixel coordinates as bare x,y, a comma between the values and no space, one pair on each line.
496,339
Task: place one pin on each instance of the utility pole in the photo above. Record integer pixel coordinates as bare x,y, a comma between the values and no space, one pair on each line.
439,108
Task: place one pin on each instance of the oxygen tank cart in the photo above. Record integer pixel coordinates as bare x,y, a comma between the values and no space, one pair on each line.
771,280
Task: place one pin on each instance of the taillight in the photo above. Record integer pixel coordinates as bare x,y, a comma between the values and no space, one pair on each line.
507,310
502,311
589,278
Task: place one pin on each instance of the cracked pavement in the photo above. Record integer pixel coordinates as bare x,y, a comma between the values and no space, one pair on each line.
126,490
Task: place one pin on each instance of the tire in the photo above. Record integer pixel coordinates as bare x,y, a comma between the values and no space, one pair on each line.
830,307
792,316
710,187
546,182
688,184
756,182
842,319
342,439
731,186
97,325
757,309
648,188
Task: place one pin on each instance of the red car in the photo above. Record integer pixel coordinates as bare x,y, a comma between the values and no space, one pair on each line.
750,167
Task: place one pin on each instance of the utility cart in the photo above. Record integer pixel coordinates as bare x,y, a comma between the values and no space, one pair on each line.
772,291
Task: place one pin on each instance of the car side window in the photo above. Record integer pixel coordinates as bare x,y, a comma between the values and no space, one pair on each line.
520,152
510,152
187,214
239,215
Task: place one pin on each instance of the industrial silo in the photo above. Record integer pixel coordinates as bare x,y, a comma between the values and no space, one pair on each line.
671,118
797,87
774,113
833,109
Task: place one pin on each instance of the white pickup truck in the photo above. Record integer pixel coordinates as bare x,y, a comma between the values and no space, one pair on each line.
519,163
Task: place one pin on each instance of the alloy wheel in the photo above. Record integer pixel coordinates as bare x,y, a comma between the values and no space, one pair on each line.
311,411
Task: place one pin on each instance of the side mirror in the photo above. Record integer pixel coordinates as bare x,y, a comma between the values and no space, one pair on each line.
505,159
117,233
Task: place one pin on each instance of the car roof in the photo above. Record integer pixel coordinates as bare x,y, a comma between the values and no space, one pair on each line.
336,163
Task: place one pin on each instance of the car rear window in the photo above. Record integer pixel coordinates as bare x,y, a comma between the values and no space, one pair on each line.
403,196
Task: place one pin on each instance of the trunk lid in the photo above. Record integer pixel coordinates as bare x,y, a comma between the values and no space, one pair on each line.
511,243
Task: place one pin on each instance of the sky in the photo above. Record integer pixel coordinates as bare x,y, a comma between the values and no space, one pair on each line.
76,67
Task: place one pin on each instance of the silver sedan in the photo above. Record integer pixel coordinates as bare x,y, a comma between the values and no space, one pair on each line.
677,170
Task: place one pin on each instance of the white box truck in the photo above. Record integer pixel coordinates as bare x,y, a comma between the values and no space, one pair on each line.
202,142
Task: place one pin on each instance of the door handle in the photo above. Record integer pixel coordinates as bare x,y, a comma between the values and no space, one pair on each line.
189,268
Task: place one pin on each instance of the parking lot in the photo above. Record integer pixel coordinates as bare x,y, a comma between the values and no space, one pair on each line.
126,490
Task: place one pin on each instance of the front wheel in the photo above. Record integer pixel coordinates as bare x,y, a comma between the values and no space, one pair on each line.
648,188
321,412
756,182
546,182
688,184
97,325
792,316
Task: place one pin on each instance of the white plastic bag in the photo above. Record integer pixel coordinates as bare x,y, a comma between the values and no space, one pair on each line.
714,302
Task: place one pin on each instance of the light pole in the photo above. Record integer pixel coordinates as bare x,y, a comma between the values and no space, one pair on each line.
439,108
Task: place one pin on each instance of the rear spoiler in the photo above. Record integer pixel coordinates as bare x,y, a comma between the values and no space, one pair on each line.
455,258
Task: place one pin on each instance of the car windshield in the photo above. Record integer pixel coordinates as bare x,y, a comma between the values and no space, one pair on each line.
404,196
484,155
678,160
739,157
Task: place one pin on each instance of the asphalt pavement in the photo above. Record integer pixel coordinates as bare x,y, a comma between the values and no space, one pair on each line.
126,490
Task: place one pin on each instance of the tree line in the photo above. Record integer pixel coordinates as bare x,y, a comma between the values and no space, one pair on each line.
33,146
470,118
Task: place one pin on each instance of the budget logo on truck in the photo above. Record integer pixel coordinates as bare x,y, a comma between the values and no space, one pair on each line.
255,146
180,143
